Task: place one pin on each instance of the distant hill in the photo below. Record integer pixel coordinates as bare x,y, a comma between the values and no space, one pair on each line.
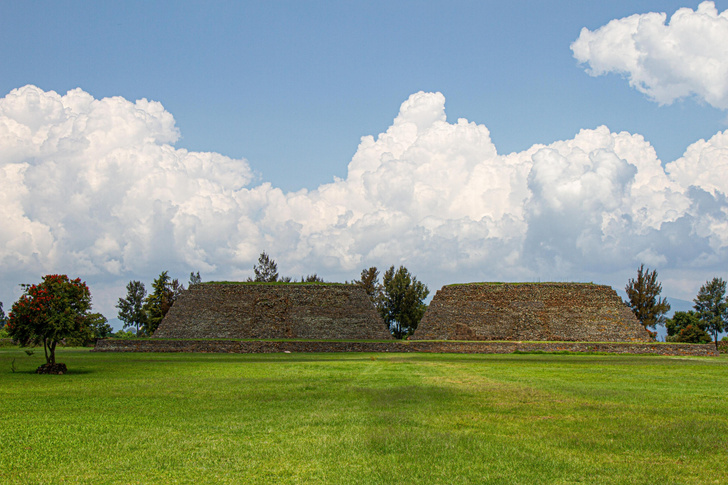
678,305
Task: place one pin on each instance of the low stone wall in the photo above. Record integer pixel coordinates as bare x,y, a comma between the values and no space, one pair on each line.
723,346
479,347
270,311
530,311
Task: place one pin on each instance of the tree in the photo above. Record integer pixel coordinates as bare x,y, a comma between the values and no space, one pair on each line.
164,293
123,335
131,308
177,289
99,325
643,294
712,307
3,321
686,327
194,279
370,282
48,312
402,305
96,327
266,270
312,278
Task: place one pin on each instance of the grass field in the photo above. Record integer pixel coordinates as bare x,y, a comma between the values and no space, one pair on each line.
364,418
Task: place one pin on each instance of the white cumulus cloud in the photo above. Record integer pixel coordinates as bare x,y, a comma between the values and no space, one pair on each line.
96,188
687,56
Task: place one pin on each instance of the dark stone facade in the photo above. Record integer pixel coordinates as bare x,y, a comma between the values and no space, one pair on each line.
530,311
268,346
270,311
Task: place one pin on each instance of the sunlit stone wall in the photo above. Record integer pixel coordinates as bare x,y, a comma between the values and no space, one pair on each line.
269,311
530,311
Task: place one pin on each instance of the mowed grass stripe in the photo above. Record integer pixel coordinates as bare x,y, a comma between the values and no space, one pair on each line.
364,418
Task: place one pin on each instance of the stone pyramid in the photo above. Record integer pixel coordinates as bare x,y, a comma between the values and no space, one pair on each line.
530,311
272,311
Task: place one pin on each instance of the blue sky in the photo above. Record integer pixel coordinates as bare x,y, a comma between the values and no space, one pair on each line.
292,86
552,177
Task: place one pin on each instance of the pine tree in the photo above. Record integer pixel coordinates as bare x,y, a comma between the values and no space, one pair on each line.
369,280
194,279
266,270
164,293
643,294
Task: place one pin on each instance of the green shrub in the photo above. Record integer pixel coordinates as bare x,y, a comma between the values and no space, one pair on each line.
686,327
124,334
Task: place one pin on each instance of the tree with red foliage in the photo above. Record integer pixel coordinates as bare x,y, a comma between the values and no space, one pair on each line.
48,312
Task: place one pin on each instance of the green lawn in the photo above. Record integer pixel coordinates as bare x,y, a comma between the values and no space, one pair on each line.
364,418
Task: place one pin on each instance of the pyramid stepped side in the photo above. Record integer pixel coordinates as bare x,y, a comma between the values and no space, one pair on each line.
267,311
530,311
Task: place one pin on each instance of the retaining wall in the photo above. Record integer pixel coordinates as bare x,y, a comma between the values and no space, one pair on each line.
482,347
269,311
530,311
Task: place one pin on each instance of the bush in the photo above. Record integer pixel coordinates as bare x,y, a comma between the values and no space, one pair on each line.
122,334
687,327
691,334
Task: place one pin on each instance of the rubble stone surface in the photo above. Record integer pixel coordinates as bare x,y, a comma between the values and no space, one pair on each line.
269,311
581,312
482,347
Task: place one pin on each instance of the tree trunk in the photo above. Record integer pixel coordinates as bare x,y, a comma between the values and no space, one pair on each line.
52,346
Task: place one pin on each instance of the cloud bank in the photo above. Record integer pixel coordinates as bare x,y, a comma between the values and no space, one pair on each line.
95,188
686,57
